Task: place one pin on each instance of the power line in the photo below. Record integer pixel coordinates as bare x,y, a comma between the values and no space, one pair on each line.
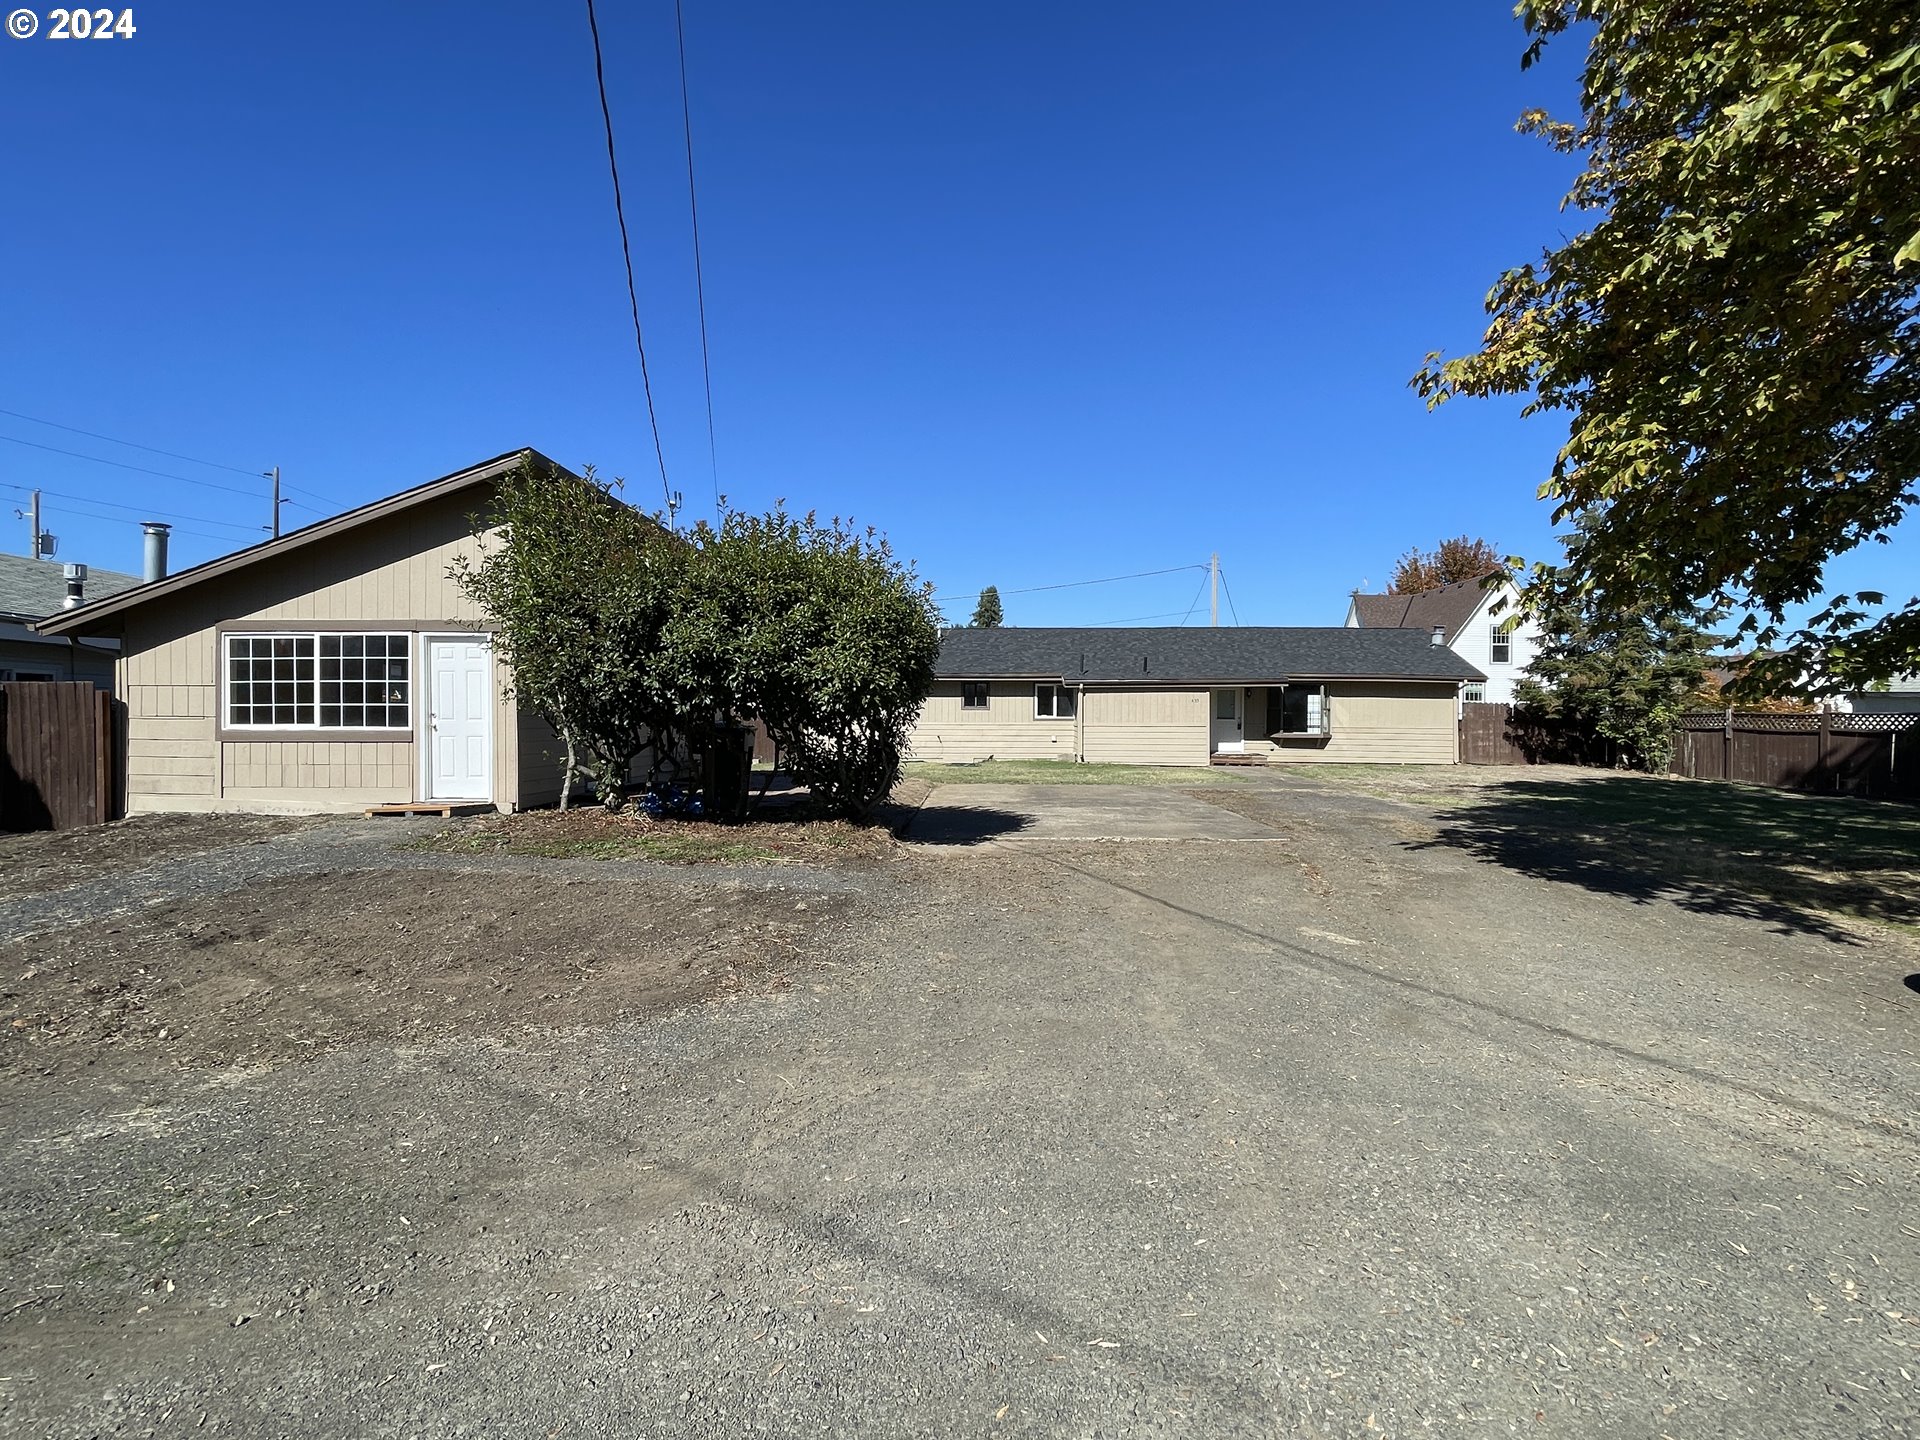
137,469
699,278
130,444
626,253
226,540
132,509
1196,596
1232,609
1077,584
156,450
1133,619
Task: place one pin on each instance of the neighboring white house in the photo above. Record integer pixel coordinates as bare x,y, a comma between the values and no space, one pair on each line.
1479,621
1901,697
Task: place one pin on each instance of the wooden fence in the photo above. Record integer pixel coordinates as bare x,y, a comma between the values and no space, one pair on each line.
59,755
1876,755
1493,734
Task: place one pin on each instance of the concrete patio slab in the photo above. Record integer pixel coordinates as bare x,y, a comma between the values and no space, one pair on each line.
972,814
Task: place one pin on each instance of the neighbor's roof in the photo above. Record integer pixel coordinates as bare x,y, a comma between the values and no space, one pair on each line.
78,619
31,589
1449,607
1255,654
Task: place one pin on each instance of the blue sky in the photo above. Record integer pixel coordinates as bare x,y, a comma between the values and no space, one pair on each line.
1047,293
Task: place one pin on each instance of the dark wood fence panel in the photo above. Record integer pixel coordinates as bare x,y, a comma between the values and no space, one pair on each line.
1493,734
59,755
1873,755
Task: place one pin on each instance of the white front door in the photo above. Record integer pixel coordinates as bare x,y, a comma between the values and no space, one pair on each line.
1228,736
460,723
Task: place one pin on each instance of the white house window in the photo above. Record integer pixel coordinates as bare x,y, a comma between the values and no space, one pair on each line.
1475,693
319,682
1226,704
1303,711
1052,702
1500,644
973,694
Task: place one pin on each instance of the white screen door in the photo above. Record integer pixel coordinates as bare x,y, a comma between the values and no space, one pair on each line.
1228,737
460,725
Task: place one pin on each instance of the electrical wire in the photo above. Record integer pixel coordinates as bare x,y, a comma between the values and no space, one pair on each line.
137,469
1077,584
162,474
699,277
1196,599
1232,609
133,509
626,254
1134,619
227,540
130,444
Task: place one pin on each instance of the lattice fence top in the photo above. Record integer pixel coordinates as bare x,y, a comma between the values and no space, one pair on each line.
1773,722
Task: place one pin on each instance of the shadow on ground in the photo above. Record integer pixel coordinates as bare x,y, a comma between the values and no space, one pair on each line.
965,825
1790,861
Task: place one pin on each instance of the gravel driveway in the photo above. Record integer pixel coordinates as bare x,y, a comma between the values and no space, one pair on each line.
1346,1133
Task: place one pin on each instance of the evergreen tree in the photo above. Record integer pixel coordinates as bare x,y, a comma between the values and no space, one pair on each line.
987,614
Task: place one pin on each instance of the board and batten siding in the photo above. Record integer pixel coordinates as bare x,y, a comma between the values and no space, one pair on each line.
1389,722
1146,727
1006,729
389,574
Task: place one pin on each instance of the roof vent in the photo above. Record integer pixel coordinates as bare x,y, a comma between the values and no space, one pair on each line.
156,556
1439,635
76,587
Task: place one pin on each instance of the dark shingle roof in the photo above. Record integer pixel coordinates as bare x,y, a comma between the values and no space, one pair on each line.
1247,654
37,588
1449,607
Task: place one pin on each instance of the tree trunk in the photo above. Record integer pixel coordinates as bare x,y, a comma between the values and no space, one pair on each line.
566,775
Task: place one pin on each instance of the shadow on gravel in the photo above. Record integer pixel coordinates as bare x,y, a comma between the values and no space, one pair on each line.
1789,861
959,824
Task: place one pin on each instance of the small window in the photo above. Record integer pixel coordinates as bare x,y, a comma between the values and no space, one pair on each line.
1052,702
973,694
1500,648
1226,704
27,675
1475,693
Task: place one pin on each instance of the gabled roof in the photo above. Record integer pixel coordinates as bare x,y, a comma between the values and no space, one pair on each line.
1240,654
1450,607
79,619
30,589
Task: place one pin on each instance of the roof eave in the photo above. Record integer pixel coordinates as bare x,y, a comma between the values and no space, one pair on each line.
80,617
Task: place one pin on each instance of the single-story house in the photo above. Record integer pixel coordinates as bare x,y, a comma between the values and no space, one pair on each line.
335,667
1478,620
1170,696
31,590
1901,696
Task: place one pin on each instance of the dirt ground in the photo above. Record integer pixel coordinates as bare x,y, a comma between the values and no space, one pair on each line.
47,860
1401,1123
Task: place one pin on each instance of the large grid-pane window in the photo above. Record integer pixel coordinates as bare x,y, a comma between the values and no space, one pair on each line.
319,682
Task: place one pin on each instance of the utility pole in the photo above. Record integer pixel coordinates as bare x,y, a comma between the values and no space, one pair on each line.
275,474
40,546
1213,584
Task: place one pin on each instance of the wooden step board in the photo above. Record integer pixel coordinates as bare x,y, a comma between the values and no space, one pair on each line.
445,809
1236,759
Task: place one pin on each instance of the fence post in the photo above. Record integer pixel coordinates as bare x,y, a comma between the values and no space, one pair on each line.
1726,746
1826,734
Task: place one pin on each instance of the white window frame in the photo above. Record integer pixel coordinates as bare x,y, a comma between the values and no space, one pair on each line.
1500,643
1058,693
1474,692
314,726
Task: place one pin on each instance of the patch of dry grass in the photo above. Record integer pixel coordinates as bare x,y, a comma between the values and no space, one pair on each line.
595,834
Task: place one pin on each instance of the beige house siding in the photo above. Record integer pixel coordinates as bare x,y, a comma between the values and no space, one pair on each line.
1146,727
1373,721
386,575
1007,729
